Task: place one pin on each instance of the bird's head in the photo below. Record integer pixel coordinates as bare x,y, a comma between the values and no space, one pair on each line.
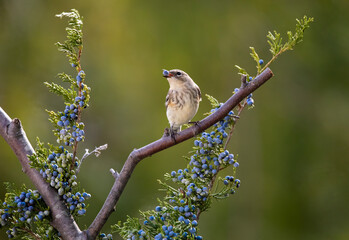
177,78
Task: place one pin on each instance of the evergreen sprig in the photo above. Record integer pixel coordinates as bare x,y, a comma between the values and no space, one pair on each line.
277,46
72,47
67,94
24,212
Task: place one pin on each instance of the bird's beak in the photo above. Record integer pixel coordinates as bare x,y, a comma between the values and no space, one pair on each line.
166,73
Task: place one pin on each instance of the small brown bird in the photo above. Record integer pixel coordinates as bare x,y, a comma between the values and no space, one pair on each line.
182,100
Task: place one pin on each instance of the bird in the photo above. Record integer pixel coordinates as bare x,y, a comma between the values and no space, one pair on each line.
182,100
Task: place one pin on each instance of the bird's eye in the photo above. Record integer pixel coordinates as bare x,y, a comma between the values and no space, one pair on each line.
179,73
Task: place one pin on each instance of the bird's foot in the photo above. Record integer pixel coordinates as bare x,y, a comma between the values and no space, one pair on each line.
166,132
196,123
169,132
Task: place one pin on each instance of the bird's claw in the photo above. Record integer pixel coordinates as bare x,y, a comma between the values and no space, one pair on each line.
173,133
196,123
169,132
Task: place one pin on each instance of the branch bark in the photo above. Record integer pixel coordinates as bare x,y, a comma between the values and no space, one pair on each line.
11,130
165,142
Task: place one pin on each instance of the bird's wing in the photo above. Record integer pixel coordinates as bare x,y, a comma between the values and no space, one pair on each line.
168,97
199,92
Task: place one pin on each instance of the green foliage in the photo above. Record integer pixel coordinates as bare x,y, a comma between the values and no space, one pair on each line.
67,94
72,47
25,214
242,71
214,102
131,225
277,46
297,37
256,58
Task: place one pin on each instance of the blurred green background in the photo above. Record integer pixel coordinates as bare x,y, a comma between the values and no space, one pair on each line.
293,146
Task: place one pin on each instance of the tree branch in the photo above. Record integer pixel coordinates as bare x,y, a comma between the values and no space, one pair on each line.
165,142
14,135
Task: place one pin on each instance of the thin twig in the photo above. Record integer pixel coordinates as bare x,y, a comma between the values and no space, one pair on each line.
114,173
34,235
75,147
235,121
97,152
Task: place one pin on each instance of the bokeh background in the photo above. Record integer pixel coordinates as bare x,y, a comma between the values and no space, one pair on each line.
293,146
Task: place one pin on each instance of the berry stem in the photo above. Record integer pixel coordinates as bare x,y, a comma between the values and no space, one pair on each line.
75,147
34,235
241,107
282,50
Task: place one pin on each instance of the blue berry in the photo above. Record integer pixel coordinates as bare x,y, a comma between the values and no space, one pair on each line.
165,73
250,101
82,212
158,209
78,79
261,61
73,65
66,123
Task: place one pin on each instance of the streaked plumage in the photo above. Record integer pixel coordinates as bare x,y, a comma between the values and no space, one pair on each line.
182,100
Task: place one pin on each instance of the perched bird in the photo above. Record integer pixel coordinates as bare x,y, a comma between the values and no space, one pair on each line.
182,100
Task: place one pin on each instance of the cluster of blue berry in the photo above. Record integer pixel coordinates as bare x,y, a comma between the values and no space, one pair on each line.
69,128
177,216
75,201
58,167
56,171
170,222
22,210
249,99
